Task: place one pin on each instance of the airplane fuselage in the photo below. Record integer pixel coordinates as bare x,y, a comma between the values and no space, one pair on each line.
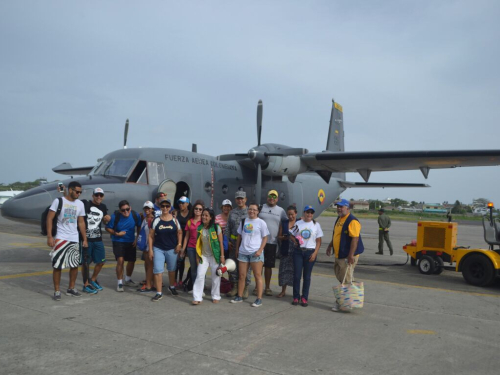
137,174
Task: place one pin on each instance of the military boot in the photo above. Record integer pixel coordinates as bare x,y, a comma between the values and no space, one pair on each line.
245,292
233,292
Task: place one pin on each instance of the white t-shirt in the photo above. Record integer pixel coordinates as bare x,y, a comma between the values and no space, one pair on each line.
252,234
307,233
67,221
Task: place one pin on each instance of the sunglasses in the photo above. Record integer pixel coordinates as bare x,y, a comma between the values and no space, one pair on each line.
78,191
272,196
309,212
125,209
198,209
146,208
99,195
165,206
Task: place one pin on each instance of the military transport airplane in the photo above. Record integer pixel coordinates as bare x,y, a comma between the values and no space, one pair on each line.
300,177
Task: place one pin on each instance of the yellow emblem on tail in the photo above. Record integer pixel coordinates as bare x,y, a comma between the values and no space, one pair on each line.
321,196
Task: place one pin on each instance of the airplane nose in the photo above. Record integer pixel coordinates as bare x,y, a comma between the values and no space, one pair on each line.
27,206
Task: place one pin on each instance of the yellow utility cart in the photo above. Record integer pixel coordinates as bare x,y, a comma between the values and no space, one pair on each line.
436,249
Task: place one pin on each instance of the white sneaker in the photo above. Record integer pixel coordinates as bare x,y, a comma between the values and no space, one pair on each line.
336,307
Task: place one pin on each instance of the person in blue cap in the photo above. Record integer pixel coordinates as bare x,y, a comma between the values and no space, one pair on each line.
307,233
346,243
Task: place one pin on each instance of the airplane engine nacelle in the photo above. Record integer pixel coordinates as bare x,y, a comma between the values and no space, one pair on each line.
284,166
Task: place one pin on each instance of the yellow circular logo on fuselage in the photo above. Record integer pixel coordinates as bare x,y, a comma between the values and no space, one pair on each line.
321,196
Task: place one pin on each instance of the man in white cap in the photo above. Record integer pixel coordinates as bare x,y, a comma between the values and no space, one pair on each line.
96,213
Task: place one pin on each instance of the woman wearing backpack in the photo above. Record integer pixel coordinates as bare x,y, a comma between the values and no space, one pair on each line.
209,249
189,245
165,238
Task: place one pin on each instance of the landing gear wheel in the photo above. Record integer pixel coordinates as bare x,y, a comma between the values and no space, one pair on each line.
478,270
427,265
439,265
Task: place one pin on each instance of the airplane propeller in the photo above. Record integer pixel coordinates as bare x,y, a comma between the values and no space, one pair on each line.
260,155
125,135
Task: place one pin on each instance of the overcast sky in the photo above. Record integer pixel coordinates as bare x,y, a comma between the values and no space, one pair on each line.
410,75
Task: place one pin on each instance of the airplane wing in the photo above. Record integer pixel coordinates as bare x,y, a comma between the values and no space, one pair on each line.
366,162
67,169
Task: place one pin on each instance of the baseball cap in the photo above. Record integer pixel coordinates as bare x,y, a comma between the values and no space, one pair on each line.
273,192
160,194
165,200
98,191
183,200
343,202
307,208
226,202
381,210
240,194
148,204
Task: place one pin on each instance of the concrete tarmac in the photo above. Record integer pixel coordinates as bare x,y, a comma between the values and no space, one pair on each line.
410,324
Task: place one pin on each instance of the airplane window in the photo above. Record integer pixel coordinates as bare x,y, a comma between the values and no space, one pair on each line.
139,174
119,168
156,173
153,173
97,166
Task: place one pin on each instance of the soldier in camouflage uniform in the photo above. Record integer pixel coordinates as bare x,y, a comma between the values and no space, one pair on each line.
234,220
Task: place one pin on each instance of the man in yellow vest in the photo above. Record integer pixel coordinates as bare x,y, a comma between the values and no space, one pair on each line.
346,243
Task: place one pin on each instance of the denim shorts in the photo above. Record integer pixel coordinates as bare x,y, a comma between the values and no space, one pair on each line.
160,257
251,258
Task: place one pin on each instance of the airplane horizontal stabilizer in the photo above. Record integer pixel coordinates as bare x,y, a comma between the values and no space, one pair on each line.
68,170
348,184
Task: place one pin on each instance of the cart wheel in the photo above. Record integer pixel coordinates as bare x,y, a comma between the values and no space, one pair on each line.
413,261
427,265
439,265
478,270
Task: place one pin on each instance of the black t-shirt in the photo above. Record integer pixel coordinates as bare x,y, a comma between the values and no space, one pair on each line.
183,221
93,220
165,235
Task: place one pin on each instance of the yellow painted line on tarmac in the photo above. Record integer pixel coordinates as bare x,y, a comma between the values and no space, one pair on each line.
420,332
24,235
419,287
41,273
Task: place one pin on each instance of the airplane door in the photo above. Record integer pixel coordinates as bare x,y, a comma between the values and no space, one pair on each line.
168,187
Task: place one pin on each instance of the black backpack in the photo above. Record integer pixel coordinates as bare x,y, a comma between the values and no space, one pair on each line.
135,215
54,222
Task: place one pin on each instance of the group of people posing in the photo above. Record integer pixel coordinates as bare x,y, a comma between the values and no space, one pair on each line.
249,234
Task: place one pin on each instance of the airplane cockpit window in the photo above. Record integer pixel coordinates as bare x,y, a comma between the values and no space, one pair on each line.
156,173
96,168
139,174
100,168
119,168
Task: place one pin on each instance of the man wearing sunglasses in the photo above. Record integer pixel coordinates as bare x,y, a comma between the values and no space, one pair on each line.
123,226
96,213
159,196
272,214
65,250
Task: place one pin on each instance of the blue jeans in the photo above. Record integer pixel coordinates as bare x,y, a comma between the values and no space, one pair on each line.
191,253
302,268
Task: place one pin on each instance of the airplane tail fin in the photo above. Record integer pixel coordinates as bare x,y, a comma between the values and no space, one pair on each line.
335,140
